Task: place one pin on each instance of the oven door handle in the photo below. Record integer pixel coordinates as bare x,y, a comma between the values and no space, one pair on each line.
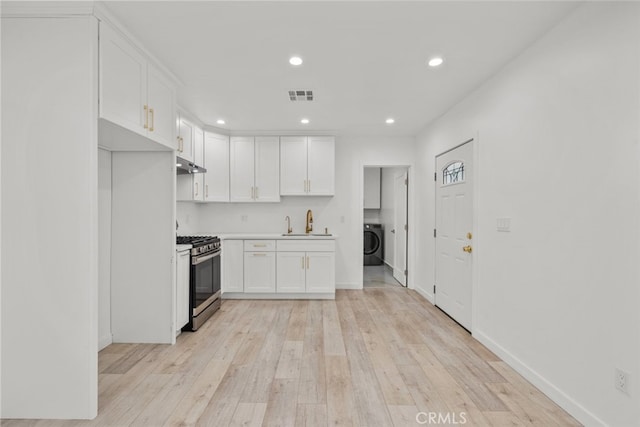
199,260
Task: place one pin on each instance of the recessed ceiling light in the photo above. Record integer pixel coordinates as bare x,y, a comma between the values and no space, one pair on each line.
178,164
434,62
220,122
304,121
390,121
295,60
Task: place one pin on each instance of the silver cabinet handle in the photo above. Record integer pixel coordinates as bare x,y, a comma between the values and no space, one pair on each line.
259,254
256,193
309,187
308,263
206,191
196,188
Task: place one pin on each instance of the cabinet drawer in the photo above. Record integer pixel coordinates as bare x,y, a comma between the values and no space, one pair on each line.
306,245
259,245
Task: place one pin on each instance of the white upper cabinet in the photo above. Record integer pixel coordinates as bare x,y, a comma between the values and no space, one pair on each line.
242,168
186,137
321,165
198,159
133,94
267,169
293,165
307,165
161,101
216,161
254,167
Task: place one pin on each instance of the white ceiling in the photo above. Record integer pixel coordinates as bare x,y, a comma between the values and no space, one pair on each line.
365,61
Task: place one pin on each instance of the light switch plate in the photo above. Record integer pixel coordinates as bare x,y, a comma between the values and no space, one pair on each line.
503,224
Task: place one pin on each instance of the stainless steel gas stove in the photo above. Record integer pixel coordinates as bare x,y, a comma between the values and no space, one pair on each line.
204,281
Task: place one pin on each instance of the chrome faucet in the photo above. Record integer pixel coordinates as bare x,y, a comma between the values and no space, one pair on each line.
289,229
309,227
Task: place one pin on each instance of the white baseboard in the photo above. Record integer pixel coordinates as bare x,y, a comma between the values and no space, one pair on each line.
554,393
276,296
348,285
104,341
425,294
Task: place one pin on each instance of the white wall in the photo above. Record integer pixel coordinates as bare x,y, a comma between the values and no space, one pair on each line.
342,214
49,216
558,296
388,210
143,247
104,249
0,219
187,217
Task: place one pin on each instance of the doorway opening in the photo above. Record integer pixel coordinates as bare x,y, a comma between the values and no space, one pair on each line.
385,228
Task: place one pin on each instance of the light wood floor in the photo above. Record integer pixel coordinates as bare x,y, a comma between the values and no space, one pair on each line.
376,357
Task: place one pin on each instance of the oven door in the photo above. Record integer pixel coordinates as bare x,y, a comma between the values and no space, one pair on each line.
205,281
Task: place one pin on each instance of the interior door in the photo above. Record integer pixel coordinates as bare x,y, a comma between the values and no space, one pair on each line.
400,184
454,223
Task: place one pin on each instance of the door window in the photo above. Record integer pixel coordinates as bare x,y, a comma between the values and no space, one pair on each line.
453,173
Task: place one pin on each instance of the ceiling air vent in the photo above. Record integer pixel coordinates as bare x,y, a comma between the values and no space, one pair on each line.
301,95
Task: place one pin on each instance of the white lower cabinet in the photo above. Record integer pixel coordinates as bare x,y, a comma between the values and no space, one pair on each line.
259,272
259,266
321,276
310,272
183,270
290,272
233,266
280,268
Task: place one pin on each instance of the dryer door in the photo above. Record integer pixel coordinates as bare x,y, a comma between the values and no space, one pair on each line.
371,242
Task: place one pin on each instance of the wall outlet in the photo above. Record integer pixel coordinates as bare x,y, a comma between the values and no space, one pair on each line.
621,380
244,218
503,224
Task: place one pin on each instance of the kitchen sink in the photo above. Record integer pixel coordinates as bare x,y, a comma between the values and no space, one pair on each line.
304,234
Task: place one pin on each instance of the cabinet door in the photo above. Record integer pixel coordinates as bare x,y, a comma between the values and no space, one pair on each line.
259,272
241,169
186,136
161,101
321,165
267,169
183,266
232,266
290,272
293,165
321,275
216,160
123,82
198,159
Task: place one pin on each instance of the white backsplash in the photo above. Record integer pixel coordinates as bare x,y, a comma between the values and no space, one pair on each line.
257,217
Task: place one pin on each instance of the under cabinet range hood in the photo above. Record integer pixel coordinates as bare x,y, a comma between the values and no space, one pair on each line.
184,166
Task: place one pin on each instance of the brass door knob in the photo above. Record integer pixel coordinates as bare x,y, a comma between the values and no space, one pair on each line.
467,249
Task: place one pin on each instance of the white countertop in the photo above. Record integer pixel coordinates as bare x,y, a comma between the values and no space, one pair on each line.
271,236
180,248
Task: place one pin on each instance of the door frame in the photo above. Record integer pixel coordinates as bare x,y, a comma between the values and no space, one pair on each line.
404,175
411,238
475,140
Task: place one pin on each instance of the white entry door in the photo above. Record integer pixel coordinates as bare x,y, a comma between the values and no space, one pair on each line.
454,223
400,225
